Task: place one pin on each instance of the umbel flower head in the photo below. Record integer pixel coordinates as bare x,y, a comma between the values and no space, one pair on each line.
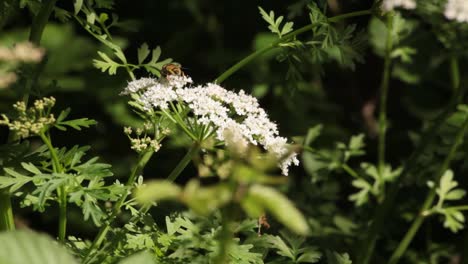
218,110
32,120
457,10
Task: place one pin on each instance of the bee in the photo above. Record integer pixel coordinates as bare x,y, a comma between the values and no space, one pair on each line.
172,69
262,222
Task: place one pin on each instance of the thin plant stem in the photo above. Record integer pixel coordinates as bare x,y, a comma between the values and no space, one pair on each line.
40,21
367,246
221,78
61,193
137,169
350,171
7,222
404,243
35,36
457,208
384,86
225,237
193,150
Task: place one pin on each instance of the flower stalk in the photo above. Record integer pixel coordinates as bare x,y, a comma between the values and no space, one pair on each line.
276,44
384,86
6,212
404,243
61,193
381,213
193,150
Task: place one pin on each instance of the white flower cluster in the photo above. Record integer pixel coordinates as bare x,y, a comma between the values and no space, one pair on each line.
457,10
219,108
389,5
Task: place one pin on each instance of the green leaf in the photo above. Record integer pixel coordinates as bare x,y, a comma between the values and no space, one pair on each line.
454,220
336,258
204,200
281,246
456,194
14,181
76,123
157,190
312,134
280,207
63,114
143,52
311,256
362,196
156,53
77,6
139,258
25,246
275,24
107,64
404,54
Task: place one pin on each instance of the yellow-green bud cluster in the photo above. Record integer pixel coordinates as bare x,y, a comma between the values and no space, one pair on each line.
142,141
31,121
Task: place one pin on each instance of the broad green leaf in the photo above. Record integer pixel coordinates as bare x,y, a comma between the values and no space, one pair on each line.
204,200
157,190
77,6
25,246
280,207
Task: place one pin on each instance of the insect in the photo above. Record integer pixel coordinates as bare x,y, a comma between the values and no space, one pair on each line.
262,222
172,69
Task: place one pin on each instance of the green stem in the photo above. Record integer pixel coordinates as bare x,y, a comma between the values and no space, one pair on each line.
130,73
455,76
61,193
35,36
381,212
384,94
225,237
6,212
40,21
277,43
404,243
37,28
137,169
350,171
458,208
183,163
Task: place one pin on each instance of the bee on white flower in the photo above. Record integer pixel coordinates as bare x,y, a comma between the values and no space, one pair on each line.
218,110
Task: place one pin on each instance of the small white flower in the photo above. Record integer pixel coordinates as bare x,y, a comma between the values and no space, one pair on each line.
457,10
389,5
137,85
178,81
